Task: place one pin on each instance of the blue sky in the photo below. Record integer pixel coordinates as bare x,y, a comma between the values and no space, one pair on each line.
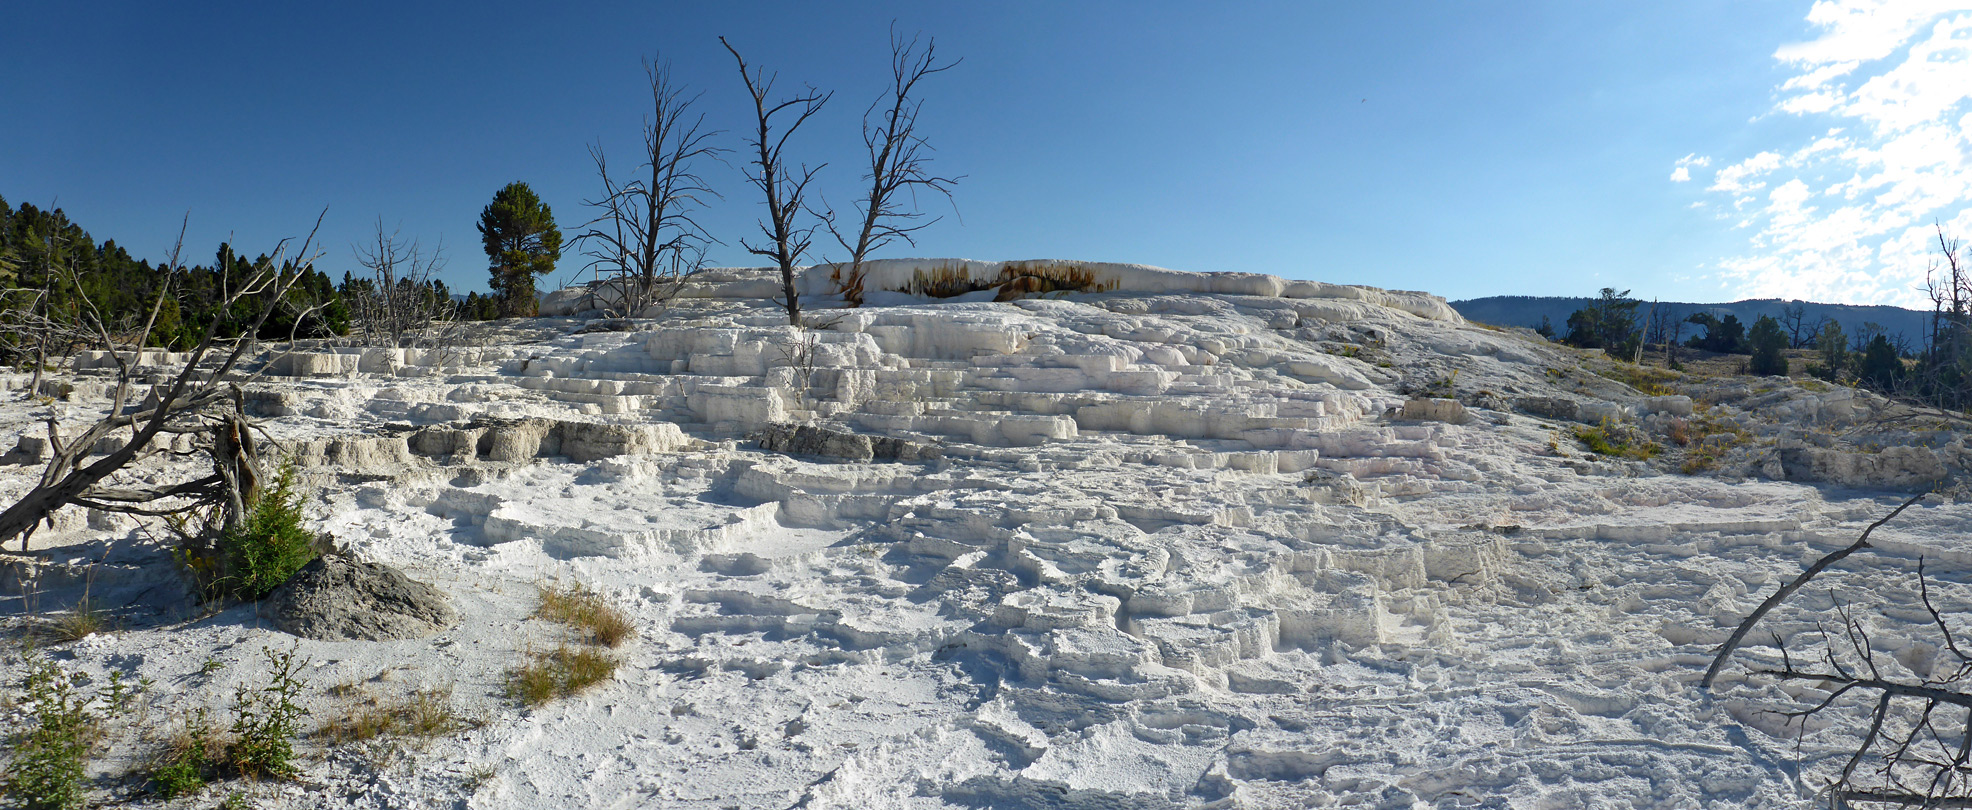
1465,148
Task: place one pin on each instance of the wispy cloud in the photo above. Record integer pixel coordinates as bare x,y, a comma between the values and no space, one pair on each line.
1849,216
1682,174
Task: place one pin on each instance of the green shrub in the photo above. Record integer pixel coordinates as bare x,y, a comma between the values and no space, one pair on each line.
1768,342
270,543
266,721
64,724
188,759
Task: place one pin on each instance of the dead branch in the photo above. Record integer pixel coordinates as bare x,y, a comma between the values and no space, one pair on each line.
783,188
205,391
897,166
1739,633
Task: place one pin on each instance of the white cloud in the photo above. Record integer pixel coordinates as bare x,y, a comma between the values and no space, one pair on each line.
1680,175
1848,216
1738,177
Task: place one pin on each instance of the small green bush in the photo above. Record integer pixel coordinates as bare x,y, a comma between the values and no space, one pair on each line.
270,543
188,760
64,725
266,721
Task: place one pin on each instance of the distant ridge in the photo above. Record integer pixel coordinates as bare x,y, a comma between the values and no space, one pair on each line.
1526,310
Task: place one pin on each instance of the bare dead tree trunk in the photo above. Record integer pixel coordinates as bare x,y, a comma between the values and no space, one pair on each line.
401,305
201,399
1919,733
897,163
783,187
646,237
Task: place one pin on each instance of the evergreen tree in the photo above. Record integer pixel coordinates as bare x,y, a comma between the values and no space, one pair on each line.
1767,341
1609,323
1832,347
522,242
1724,336
1879,368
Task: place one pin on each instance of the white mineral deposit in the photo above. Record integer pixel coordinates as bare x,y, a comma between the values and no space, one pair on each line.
1199,540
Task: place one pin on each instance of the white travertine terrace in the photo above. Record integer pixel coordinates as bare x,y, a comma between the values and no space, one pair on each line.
1189,540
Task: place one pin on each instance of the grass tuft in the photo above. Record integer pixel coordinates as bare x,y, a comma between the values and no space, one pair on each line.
561,673
423,713
588,612
82,622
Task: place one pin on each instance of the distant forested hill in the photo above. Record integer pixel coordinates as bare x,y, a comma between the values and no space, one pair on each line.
1526,310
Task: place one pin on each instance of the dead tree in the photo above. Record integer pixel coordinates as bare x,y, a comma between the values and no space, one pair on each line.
897,166
1947,367
203,399
1794,318
645,238
784,188
398,306
1917,748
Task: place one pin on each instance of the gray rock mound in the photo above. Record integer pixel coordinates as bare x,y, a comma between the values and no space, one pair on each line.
812,440
336,598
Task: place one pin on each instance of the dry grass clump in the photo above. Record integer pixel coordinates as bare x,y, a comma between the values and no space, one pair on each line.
563,672
567,669
422,713
586,612
82,622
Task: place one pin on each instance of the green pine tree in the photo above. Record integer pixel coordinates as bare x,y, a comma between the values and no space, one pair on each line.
1767,341
522,242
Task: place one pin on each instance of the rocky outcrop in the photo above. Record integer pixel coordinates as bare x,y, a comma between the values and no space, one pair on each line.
1902,467
336,598
813,440
1435,410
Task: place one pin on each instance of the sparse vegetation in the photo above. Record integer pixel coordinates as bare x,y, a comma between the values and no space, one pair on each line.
189,758
422,713
586,612
568,670
1710,439
79,623
1650,381
562,672
1617,440
63,726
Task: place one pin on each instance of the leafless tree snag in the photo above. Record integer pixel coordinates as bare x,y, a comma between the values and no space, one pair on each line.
1917,748
202,400
645,241
897,163
1833,557
784,188
397,306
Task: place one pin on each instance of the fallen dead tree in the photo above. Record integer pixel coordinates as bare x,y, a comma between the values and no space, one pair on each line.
1917,748
202,401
